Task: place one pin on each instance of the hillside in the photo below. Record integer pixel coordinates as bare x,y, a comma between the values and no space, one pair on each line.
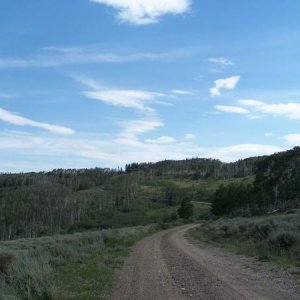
61,201
276,187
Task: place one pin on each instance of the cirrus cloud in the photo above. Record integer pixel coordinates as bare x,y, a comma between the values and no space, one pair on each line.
18,120
232,109
161,140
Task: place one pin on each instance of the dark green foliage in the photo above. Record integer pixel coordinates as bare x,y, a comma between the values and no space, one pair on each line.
186,209
196,168
276,187
229,199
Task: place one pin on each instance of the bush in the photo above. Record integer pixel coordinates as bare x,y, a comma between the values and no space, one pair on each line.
186,209
242,228
6,260
282,240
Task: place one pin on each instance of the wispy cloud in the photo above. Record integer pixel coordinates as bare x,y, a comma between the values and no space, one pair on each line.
161,140
221,61
290,110
125,98
142,12
226,84
18,120
268,134
182,92
131,130
6,96
189,136
236,152
64,56
292,139
232,109
137,99
82,151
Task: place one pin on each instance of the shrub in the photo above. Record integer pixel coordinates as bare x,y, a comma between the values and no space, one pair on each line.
282,240
242,228
186,209
6,260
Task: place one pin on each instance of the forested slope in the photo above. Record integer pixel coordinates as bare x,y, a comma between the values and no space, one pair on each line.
35,204
276,187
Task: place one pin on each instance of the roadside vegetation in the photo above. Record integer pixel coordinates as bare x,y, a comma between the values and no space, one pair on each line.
271,238
74,266
260,217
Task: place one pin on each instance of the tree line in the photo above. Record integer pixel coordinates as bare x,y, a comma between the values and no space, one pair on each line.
33,204
276,187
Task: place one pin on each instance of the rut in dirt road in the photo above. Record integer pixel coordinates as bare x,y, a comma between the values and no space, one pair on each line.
165,266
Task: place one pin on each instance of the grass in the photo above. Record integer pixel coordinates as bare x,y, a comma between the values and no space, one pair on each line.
201,210
272,238
209,184
73,266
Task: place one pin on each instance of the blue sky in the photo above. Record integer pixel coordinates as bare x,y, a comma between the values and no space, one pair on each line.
107,82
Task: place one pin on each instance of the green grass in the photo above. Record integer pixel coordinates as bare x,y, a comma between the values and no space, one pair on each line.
273,238
209,184
90,278
73,266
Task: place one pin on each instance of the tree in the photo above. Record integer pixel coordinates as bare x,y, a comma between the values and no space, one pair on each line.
186,209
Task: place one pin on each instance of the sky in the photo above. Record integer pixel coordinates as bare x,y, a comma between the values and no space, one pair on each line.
102,83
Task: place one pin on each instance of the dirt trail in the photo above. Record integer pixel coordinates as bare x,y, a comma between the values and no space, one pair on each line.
166,266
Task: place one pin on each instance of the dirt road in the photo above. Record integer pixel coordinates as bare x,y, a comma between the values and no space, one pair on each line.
166,266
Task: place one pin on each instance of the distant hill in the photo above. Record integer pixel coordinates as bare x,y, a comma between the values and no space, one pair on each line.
34,204
196,168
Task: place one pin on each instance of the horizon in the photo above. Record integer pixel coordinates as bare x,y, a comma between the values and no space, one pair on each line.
105,83
123,168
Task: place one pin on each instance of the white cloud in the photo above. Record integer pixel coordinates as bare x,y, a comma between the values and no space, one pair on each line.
236,152
137,99
132,129
182,92
64,56
126,98
268,134
226,83
292,139
232,109
161,140
221,61
251,103
18,120
189,136
38,152
142,12
290,110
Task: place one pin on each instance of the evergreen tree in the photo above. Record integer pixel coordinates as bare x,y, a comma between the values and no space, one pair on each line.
186,209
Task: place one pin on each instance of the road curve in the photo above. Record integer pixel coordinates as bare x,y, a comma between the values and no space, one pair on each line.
166,266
